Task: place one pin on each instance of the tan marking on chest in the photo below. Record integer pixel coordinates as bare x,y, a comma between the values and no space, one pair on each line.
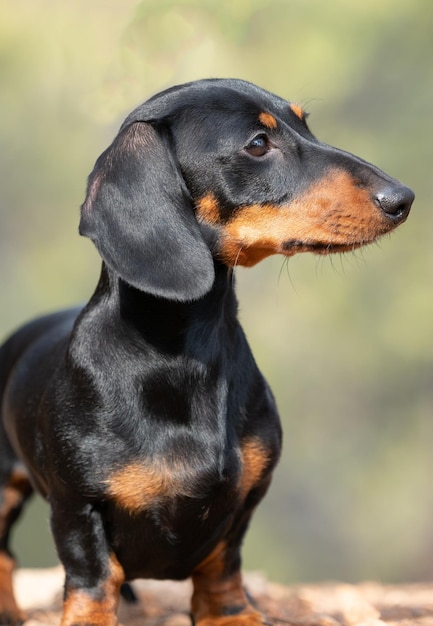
255,459
268,120
137,486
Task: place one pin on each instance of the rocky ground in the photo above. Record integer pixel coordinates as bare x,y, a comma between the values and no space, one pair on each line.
166,603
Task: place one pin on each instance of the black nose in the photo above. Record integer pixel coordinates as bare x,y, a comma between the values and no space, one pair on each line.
395,200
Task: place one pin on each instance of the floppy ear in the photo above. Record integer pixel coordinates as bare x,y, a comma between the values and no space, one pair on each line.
139,214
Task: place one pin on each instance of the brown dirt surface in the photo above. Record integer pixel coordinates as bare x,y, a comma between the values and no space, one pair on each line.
167,603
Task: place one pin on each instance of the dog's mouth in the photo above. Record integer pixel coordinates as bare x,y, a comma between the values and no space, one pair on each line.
294,246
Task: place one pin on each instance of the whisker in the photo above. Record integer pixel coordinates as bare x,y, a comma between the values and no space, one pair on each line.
235,265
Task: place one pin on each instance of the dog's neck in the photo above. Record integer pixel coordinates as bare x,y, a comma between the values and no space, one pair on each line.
170,325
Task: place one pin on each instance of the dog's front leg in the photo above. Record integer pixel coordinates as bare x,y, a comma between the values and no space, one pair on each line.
219,598
93,573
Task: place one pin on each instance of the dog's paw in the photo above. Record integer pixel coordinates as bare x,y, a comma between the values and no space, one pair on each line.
246,618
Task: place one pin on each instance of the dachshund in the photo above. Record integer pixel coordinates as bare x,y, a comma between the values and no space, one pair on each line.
143,418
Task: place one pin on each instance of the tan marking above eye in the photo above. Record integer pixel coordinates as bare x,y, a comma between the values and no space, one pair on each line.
267,120
297,110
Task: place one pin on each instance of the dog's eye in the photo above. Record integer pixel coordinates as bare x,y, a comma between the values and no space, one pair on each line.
259,146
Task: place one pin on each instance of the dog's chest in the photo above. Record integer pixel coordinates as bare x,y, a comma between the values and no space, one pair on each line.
143,484
179,508
161,481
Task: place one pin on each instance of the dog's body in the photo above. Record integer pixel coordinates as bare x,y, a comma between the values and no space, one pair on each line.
143,418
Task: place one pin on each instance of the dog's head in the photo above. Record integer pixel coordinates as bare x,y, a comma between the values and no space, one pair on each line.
221,170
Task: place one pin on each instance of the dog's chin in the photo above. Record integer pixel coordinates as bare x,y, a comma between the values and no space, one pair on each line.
290,248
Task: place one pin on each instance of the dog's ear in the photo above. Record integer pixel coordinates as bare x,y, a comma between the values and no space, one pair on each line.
139,214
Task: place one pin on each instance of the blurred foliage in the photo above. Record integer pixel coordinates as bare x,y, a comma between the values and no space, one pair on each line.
347,343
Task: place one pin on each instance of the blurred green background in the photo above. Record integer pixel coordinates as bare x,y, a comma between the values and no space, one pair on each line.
346,343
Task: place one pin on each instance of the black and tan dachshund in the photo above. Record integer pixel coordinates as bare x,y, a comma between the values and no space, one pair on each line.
143,418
